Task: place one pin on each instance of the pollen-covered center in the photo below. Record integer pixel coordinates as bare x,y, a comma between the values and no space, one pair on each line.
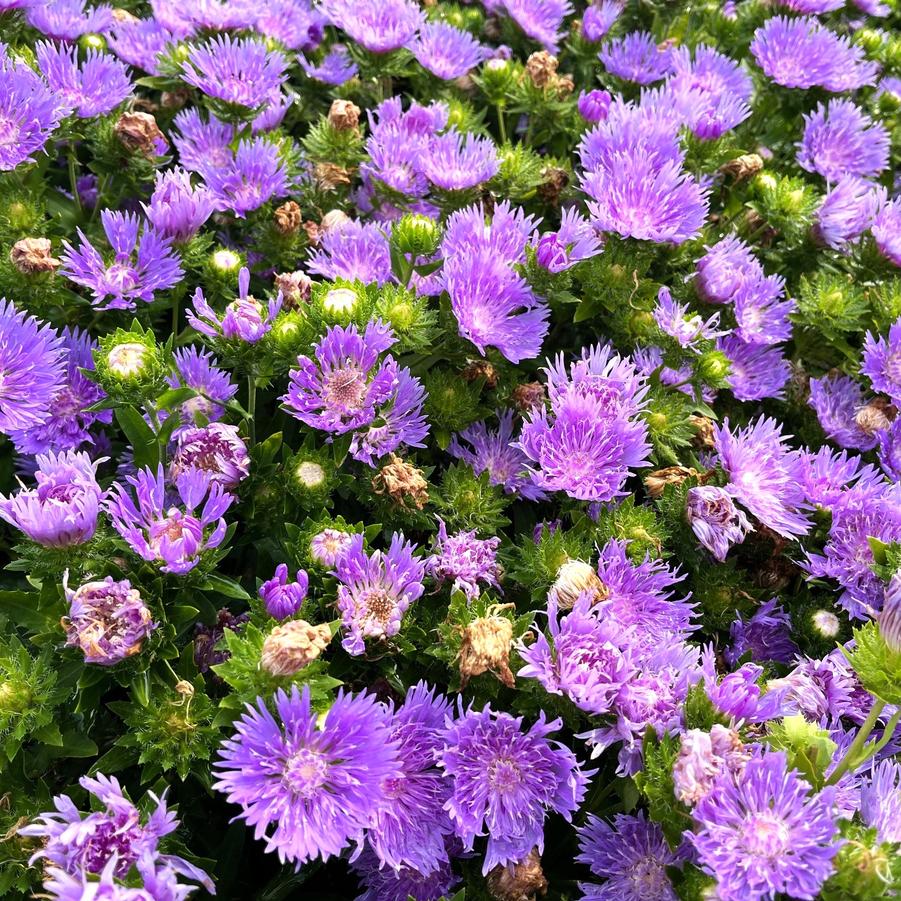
345,388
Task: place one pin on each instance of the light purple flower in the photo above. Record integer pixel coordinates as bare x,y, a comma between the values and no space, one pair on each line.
68,20
354,250
281,597
466,559
445,51
598,19
756,370
327,546
890,450
687,330
541,20
887,231
294,23
717,523
766,635
381,883
197,369
880,801
637,57
703,758
762,313
575,241
456,162
848,210
203,145
836,398
215,450
335,68
178,209
245,319
882,361
139,42
727,266
830,477
255,174
593,105
93,88
378,25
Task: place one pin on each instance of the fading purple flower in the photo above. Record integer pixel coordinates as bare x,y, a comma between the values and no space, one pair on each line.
178,209
717,523
376,590
575,241
143,263
255,174
378,25
541,20
836,398
319,783
728,266
207,652
336,67
197,369
767,635
703,758
848,210
355,250
456,162
756,371
215,450
245,319
62,509
139,42
598,19
381,883
881,362
445,51
466,559
171,536
68,20
887,231
93,88
687,330
281,597
637,57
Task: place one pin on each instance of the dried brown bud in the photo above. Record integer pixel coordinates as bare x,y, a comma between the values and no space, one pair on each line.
573,579
145,105
878,414
402,482
742,167
565,85
703,431
124,17
333,219
139,133
293,645
541,68
486,647
288,218
522,881
344,115
185,689
33,255
480,369
313,232
553,182
655,482
295,287
528,396
328,176
174,99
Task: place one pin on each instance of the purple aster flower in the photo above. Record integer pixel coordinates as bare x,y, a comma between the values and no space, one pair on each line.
496,453
813,7
631,856
108,621
335,68
717,523
574,241
284,598
221,15
848,210
376,590
541,20
143,263
890,450
68,20
637,57
172,536
245,319
803,53
329,545
767,832
215,450
203,145
761,314
756,370
829,476
455,162
445,51
377,25
466,559
295,24
673,319
882,361
177,17
836,398
177,209
505,780
62,509
887,231
880,801
31,369
197,369
592,439
764,474
318,783
139,42
157,883
254,175
114,838
242,71
381,883
588,657
598,19
767,635
841,139
703,757
593,105
738,694
354,250
29,112
727,266
94,88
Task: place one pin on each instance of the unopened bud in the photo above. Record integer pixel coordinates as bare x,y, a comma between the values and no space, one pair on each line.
295,287
340,301
226,261
574,578
541,68
293,645
33,255
333,219
528,396
486,647
825,623
127,361
139,133
288,218
656,482
344,115
402,482
521,881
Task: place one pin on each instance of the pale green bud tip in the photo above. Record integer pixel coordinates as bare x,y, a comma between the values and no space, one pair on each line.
340,300
310,474
226,260
127,360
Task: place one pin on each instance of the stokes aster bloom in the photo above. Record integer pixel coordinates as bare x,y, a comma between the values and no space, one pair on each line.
68,20
574,241
197,369
455,162
447,52
756,371
253,175
848,210
335,68
377,25
94,88
887,231
726,267
353,250
636,57
245,319
214,450
673,319
466,559
767,635
836,399
177,209
281,597
139,42
882,362
717,523
541,20
319,782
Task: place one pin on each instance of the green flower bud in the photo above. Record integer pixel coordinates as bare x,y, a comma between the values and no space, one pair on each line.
468,501
831,303
290,335
713,366
92,42
416,235
452,402
311,476
130,366
496,78
410,317
876,658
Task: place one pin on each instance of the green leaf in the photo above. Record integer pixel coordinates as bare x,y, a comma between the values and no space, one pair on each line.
224,586
140,435
21,608
49,735
174,397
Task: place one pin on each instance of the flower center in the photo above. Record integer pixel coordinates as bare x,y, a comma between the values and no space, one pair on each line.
766,835
504,775
345,388
379,604
306,772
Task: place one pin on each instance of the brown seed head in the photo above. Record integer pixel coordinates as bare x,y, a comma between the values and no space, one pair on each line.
139,133
402,482
288,218
293,645
703,431
480,369
541,68
486,647
528,396
328,176
656,482
344,115
522,881
573,579
33,255
295,287
878,414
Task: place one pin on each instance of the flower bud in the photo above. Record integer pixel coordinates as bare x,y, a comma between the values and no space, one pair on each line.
344,115
226,261
416,235
825,623
293,645
139,133
33,255
130,365
284,598
521,881
288,218
402,482
340,302
713,366
486,646
594,105
333,219
295,287
497,78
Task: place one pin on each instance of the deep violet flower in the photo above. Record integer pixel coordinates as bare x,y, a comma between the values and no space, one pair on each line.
381,883
465,559
766,635
882,361
93,88
636,57
447,52
377,25
281,597
245,319
717,523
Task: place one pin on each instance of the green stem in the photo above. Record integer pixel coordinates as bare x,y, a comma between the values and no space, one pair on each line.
850,757
73,177
501,123
252,406
887,734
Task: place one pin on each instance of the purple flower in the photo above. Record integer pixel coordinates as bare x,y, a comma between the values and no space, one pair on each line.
803,53
108,621
764,474
880,801
817,7
381,883
254,175
541,20
177,209
728,266
377,25
31,370
143,263
882,361
887,231
110,840
598,19
767,635
841,139
766,833
94,88
62,509
139,42
164,533
68,20
592,439
29,112
335,68
636,57
848,210
455,162
631,856
573,242
505,780
203,145
761,314
284,598
830,476
890,450
197,369
245,319
756,370
214,450
353,250
329,545
159,883
294,23
593,105
319,784
466,559
673,319
717,523
836,399
446,52
703,757
376,590
207,652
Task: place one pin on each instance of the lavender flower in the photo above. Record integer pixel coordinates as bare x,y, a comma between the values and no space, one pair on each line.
598,19
504,780
832,476
887,231
849,208
378,26
94,88
329,545
703,757
197,369
673,319
376,590
882,361
284,598
636,57
466,559
62,509
541,21
840,139
575,241
177,209
761,314
381,883
455,162
353,250
766,833
108,621
161,884
297,25
203,145
445,51
767,635
144,263
319,784
756,371
68,20
336,67
836,399
880,801
245,319
717,523
139,42
890,450
254,175
163,533
727,266
214,450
